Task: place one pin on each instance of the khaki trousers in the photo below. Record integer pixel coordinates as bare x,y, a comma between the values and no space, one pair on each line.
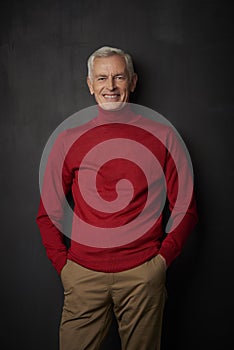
137,297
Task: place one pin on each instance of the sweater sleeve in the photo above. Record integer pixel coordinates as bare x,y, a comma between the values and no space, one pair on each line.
180,194
56,185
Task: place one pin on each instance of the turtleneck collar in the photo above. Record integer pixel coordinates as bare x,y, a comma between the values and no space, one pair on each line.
123,115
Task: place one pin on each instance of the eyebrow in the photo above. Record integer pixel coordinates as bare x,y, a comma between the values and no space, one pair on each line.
104,75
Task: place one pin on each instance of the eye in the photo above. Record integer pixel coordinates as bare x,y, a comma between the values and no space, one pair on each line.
101,78
120,77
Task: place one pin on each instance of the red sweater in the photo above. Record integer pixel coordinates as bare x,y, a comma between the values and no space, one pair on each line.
117,224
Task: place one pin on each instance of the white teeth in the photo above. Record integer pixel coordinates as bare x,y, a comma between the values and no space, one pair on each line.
110,96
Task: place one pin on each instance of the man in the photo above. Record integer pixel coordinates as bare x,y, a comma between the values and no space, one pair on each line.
110,265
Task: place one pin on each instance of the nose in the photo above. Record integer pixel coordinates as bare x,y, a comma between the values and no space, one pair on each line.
111,83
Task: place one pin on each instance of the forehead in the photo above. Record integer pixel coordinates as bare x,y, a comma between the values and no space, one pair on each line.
112,64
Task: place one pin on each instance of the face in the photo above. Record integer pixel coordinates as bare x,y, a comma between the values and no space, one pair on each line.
111,84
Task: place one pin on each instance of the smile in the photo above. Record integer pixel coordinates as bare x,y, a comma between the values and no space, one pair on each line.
113,96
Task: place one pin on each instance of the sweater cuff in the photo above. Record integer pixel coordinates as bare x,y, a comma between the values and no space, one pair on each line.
60,264
168,256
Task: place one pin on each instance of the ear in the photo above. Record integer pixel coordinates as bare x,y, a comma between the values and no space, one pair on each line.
133,82
90,85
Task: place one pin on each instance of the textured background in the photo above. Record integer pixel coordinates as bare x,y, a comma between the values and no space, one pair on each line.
183,53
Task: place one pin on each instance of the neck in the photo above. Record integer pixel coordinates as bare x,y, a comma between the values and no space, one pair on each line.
122,115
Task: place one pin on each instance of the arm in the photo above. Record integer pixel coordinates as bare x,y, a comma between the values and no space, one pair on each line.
180,194
56,184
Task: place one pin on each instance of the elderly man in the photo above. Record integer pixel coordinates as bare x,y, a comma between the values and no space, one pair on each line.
120,274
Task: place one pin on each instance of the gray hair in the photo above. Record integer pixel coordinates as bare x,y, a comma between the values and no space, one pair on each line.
107,51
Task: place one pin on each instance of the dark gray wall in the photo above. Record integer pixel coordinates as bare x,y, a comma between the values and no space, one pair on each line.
183,52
